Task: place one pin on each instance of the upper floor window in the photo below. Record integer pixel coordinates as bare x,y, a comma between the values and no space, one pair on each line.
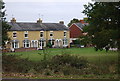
14,34
26,34
51,33
65,33
41,34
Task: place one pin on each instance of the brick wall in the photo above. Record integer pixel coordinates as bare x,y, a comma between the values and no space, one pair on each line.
24,49
19,50
75,32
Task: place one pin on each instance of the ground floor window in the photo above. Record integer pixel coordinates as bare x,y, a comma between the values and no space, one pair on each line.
41,43
15,45
51,42
34,43
26,43
65,42
58,43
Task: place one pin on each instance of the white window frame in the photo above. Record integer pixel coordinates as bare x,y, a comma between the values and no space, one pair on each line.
65,35
34,43
26,44
13,35
13,44
65,42
51,32
40,34
25,32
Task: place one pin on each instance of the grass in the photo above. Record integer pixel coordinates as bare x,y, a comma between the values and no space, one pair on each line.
89,53
101,62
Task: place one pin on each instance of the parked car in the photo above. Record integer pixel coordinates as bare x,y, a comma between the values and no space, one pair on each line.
82,46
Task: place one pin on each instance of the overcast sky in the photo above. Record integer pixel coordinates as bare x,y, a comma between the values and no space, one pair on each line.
49,10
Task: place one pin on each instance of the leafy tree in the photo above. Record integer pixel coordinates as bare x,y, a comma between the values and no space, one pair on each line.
85,40
103,19
5,26
73,21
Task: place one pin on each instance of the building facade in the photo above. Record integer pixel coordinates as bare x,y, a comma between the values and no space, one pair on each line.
76,31
37,35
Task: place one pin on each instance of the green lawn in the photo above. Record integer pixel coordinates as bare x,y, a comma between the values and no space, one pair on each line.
89,53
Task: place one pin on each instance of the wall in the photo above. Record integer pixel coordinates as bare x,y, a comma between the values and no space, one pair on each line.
75,32
35,35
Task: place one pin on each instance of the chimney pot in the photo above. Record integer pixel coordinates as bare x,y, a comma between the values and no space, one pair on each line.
61,22
39,20
13,20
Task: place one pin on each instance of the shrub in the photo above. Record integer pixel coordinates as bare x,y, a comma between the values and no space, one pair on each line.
13,63
66,59
40,66
49,45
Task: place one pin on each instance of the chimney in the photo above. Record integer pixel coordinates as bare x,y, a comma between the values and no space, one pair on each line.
39,20
13,20
61,22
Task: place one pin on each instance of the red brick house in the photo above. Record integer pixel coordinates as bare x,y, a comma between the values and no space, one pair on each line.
76,30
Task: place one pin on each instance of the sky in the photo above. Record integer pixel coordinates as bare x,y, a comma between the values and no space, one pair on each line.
50,11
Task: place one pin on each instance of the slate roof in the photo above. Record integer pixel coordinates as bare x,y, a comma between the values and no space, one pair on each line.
80,25
23,26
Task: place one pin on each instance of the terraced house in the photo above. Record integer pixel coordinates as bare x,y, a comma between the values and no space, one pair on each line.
37,35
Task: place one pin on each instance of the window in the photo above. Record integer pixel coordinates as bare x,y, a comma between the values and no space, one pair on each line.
26,43
65,33
34,43
26,34
41,43
41,34
65,42
15,44
14,34
51,42
51,33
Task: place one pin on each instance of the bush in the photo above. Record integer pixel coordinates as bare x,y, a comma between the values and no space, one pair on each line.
13,63
74,61
59,64
49,45
40,66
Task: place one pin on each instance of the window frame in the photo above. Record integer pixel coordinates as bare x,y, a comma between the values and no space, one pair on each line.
14,35
35,43
25,44
25,33
15,45
51,32
65,42
42,34
65,33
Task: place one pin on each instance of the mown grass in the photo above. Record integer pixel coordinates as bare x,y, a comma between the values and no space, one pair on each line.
89,53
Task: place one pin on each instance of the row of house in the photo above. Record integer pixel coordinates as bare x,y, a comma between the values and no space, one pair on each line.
39,34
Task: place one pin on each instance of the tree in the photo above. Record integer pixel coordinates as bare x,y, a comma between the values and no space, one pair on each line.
103,19
73,21
85,40
5,26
